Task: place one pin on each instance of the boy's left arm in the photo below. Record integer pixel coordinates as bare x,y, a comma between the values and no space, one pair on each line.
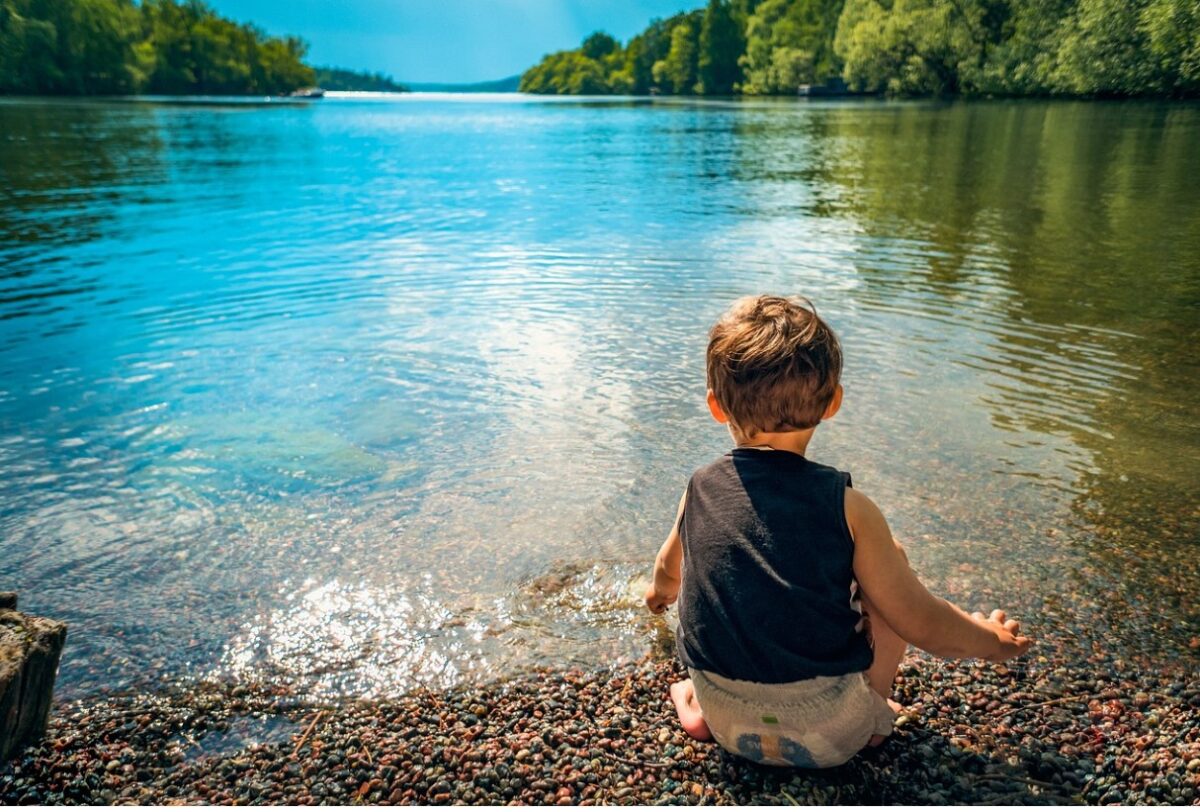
664,588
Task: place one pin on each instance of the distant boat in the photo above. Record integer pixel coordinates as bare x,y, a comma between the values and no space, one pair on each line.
832,87
308,93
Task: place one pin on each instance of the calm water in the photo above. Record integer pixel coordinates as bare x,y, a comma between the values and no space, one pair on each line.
365,394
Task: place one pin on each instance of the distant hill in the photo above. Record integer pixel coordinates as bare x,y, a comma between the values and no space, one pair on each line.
342,79
507,85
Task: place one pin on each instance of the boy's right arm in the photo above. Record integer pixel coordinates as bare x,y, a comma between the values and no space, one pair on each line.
928,622
664,586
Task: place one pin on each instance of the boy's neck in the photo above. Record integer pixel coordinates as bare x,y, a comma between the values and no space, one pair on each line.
794,441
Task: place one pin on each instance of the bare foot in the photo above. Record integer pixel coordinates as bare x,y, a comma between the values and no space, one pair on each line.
877,740
684,696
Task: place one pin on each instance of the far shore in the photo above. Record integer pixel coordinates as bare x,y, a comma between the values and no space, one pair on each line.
656,98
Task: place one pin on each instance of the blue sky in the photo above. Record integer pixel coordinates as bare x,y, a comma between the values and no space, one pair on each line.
446,40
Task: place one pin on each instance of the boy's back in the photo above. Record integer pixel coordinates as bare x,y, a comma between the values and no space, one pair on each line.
767,570
764,557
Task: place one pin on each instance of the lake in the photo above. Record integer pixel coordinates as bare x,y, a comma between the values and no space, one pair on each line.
375,393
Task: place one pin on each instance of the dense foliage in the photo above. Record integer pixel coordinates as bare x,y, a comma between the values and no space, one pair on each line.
155,46
342,79
921,47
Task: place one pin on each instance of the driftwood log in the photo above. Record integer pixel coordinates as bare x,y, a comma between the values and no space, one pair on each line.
29,651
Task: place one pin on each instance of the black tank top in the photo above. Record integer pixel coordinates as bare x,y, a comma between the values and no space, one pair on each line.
767,570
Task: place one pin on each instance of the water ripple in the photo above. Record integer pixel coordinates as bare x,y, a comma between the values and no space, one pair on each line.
378,393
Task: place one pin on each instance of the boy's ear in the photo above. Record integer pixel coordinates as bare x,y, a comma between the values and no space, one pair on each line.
715,408
835,403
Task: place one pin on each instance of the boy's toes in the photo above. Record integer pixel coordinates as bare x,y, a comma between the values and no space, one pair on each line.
681,691
690,716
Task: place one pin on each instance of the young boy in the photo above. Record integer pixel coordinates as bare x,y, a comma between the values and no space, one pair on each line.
795,604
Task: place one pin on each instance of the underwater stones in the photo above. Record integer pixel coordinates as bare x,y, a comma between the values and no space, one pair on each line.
30,648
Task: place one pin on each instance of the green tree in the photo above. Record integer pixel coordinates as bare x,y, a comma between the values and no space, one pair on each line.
676,73
188,48
565,72
1024,50
720,48
342,79
599,45
1130,48
95,42
648,48
1173,38
913,47
117,46
67,46
788,43
27,51
1099,50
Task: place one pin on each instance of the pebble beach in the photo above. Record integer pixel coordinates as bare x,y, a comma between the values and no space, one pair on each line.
971,733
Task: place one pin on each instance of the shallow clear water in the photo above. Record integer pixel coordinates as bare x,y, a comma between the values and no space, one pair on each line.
373,393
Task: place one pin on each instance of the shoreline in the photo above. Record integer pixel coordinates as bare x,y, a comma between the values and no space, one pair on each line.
971,733
615,98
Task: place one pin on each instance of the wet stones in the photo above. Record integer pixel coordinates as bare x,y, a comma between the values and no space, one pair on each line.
1062,732
30,648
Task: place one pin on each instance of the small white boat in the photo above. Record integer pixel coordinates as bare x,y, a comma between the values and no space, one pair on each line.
308,93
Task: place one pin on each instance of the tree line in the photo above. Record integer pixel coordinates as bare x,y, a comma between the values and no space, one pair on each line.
88,47
342,79
900,47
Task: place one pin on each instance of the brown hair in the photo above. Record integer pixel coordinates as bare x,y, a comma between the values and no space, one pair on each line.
773,364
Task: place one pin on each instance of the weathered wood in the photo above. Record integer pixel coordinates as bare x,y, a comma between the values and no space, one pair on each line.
30,648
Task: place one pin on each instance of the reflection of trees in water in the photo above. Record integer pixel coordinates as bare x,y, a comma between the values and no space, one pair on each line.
78,173
68,166
1068,233
67,169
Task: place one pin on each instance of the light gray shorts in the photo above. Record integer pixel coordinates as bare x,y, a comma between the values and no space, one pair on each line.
819,722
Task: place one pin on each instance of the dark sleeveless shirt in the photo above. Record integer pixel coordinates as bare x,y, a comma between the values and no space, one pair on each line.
767,570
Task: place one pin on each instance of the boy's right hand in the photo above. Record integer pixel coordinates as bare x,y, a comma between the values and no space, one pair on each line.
1009,641
657,602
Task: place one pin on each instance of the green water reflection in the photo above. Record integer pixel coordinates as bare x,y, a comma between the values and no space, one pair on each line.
1038,220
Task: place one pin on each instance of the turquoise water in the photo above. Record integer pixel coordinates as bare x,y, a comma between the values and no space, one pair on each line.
373,393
